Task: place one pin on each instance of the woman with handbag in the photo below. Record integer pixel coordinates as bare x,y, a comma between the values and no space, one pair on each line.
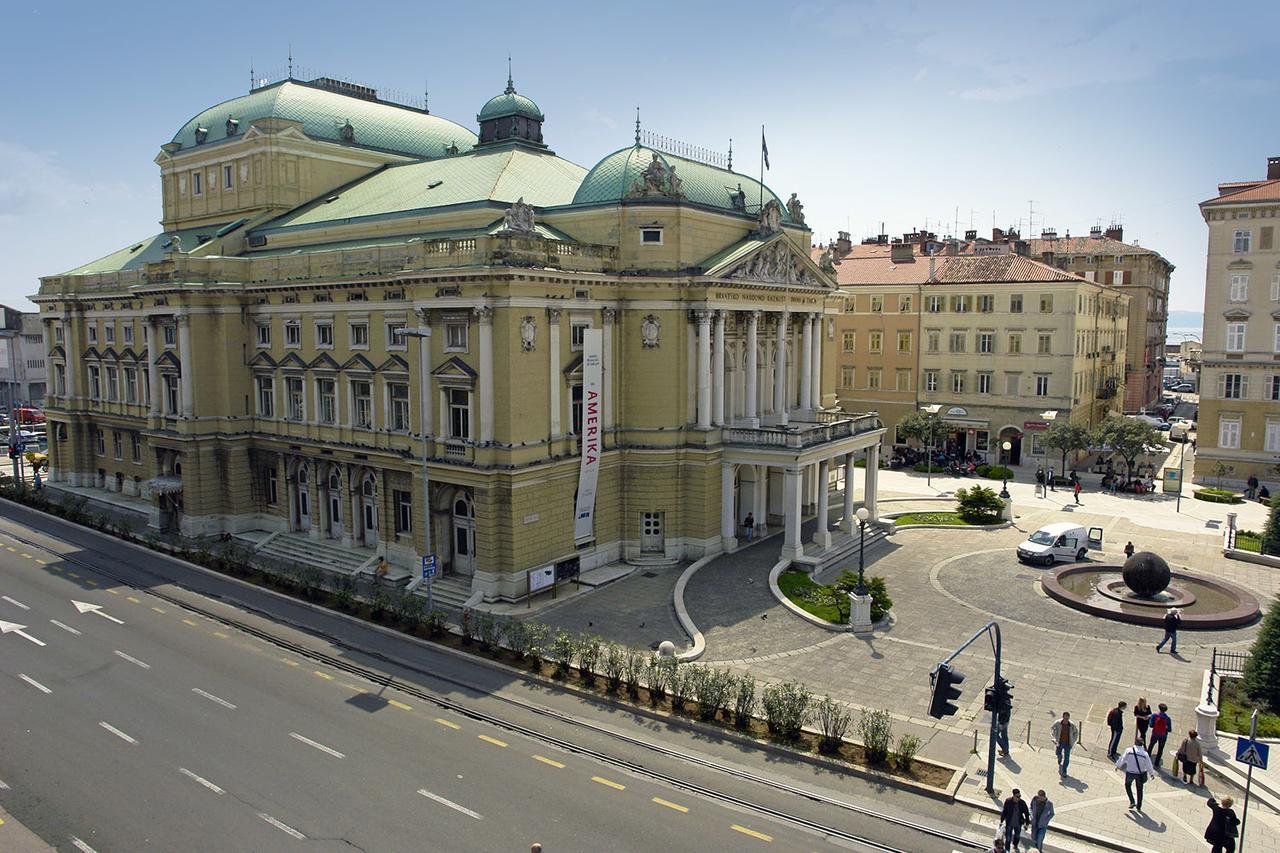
1223,827
1188,756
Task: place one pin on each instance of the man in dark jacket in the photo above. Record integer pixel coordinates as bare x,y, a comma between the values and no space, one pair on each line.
1014,815
1115,722
1172,619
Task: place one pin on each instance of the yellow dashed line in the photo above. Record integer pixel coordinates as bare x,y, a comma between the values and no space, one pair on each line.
157,609
608,784
11,548
402,706
221,635
550,761
91,581
189,622
72,574
282,660
28,556
445,722
751,832
670,804
112,591
492,740
326,676
41,562
357,688
131,598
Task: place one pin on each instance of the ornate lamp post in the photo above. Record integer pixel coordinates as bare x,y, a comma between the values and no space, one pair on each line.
863,516
1004,487
928,462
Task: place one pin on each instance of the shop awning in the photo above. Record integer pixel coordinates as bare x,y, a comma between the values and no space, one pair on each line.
162,485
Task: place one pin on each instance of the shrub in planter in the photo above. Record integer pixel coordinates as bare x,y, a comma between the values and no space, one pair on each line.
612,662
744,700
657,674
922,467
344,591
470,631
518,638
833,721
562,654
587,650
409,608
905,753
310,580
995,472
536,637
1262,671
880,600
1217,496
979,505
436,622
678,684
786,709
489,631
875,729
713,690
379,604
631,672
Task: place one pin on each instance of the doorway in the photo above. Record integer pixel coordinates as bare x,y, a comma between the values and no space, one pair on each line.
303,486
464,535
1012,456
333,495
652,537
369,512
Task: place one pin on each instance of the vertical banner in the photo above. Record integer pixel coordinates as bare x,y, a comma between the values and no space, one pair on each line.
592,418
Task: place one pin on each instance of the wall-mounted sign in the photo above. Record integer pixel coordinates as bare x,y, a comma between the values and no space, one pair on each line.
1035,425
541,578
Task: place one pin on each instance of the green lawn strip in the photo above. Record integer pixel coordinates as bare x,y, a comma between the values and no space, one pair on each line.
1248,543
797,586
946,517
1234,710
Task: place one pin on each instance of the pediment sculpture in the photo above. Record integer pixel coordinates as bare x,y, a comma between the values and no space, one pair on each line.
658,179
827,263
775,263
770,221
795,209
518,218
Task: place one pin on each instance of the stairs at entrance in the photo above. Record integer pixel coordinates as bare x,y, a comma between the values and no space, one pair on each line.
843,550
320,553
448,592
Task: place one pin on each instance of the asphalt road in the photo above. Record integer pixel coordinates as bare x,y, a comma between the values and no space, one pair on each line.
143,725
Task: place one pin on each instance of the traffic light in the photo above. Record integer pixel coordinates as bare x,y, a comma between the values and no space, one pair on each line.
946,688
13,452
1003,697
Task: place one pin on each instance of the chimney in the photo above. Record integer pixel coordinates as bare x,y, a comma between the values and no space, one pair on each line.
1096,232
1021,247
971,235
882,239
952,247
843,244
1047,258
1049,234
1115,232
901,252
997,235
1273,168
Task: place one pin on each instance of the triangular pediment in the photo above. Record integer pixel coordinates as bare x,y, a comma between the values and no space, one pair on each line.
1237,314
456,368
92,353
110,353
127,354
324,361
574,368
768,260
358,362
262,359
58,351
393,364
293,360
167,357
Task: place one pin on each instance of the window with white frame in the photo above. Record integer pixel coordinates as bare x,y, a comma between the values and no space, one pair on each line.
877,304
226,176
1015,303
117,444
109,333
135,446
324,335
398,403
957,382
127,331
958,341
60,379
904,303
984,383
1243,241
1229,432
266,396
1276,342
930,380
296,401
1117,276
875,342
904,343
1046,303
651,236
1271,439
1015,343
846,377
101,440
170,334
327,394
57,331
873,378
986,342
395,335
986,303
934,304
459,407
1042,386
455,336
95,382
902,379
92,331
849,341
131,385
961,304
933,340
1238,290
577,334
359,334
113,384
1233,386
171,392
273,485
1044,343
196,188
362,404
1235,337
292,333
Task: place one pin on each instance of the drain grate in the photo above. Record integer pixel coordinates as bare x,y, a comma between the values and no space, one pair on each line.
648,574
1024,577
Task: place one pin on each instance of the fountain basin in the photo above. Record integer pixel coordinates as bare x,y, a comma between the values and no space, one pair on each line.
1101,591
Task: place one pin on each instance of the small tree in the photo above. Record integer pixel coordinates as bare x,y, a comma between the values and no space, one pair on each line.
928,428
1067,437
1128,437
1262,672
979,505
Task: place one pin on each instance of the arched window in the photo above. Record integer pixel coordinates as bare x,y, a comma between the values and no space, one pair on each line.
462,508
369,488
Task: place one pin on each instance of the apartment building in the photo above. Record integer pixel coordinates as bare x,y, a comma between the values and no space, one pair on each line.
997,341
1240,374
22,371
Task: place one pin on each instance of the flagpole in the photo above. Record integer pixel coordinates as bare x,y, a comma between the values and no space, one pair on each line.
761,207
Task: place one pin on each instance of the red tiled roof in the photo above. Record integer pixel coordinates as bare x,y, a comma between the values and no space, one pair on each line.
1262,191
948,269
1086,246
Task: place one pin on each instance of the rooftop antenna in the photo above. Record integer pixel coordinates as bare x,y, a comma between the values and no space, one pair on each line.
290,60
637,126
1031,214
730,153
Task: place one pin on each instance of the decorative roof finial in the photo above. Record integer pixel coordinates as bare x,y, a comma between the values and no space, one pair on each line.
637,127
426,96
511,86
252,81
730,153
290,60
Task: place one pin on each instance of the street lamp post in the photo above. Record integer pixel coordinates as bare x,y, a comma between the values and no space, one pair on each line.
423,388
863,516
860,599
928,462
1004,487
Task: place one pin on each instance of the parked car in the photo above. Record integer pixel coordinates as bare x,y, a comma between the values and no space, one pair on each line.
1183,388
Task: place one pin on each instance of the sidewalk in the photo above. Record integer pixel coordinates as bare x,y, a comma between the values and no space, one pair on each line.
1090,802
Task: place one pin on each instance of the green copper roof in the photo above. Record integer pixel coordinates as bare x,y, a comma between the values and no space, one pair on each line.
323,113
502,175
710,186
147,251
509,104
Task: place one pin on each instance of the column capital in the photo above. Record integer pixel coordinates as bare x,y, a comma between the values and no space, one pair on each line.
754,314
608,315
703,316
792,470
183,319
484,314
553,314
424,317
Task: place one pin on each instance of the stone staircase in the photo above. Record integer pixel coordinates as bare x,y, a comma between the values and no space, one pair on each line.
321,553
448,592
843,550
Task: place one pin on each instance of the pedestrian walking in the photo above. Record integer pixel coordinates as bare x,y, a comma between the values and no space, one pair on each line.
1002,730
1041,814
1115,722
1136,765
1076,492
1223,827
749,525
1161,725
1039,482
1172,619
1128,549
1052,486
1014,816
1251,486
1189,755
1066,735
1142,718
1075,478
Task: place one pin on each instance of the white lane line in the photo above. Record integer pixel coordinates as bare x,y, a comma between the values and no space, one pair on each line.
133,660
37,685
81,846
15,602
450,803
223,702
202,781
309,742
283,827
117,732
67,628
3,786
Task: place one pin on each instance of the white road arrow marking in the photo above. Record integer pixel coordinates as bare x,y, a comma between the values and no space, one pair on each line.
15,628
15,602
85,607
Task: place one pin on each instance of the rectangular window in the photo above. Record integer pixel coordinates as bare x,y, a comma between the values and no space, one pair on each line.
931,380
170,334
902,380
273,490
1015,344
1232,386
398,395
877,304
92,329
1271,439
395,336
362,404
135,443
226,176
1235,337
935,341
455,337
293,334
1229,433
960,304
1117,276
1266,237
109,330
264,334
117,444
1241,245
296,399
196,189
459,400
1015,303
849,341
575,409
359,334
328,394
1042,386
651,236
875,342
984,383
113,384
131,385
846,377
1239,289
577,334
266,396
324,335
403,502
60,379
957,382
958,341
934,305
873,379
57,334
986,304
1044,345
1275,287
95,382
1046,303
171,392
986,342
904,342
127,331
1273,387
1012,384
904,303
101,441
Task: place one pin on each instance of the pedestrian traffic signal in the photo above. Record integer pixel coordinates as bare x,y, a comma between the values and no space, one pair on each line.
945,689
1003,697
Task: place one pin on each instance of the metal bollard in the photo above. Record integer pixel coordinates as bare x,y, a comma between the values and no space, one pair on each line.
1028,733
975,740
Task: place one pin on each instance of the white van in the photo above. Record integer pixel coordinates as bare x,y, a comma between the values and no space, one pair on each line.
1061,541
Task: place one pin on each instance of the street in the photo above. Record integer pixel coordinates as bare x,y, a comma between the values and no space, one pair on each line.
135,723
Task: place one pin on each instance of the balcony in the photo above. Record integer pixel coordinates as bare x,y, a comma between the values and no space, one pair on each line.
831,426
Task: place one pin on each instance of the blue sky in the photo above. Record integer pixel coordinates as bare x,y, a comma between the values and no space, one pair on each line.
897,111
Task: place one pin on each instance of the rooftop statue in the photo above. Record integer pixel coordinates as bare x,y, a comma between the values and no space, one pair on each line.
518,218
658,179
796,209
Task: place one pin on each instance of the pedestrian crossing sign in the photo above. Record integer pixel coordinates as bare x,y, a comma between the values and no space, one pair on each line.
1252,753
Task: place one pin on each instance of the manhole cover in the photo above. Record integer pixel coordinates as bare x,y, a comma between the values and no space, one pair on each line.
1025,577
648,574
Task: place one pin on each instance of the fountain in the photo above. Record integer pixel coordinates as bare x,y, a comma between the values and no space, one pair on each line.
1142,590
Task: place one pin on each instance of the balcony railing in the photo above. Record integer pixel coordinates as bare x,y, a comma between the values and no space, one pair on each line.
797,436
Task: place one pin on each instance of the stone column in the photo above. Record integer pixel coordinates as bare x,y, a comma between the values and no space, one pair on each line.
780,372
806,360
846,514
760,501
188,366
607,316
816,370
717,372
485,315
154,348
425,423
553,359
792,548
728,529
873,473
822,535
704,369
752,410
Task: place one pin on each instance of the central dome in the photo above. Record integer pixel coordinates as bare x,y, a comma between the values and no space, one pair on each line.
510,103
511,117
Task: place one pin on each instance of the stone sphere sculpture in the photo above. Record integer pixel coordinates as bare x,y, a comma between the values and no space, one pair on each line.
1147,574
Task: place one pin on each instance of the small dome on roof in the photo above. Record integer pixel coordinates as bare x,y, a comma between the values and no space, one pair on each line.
510,103
510,117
